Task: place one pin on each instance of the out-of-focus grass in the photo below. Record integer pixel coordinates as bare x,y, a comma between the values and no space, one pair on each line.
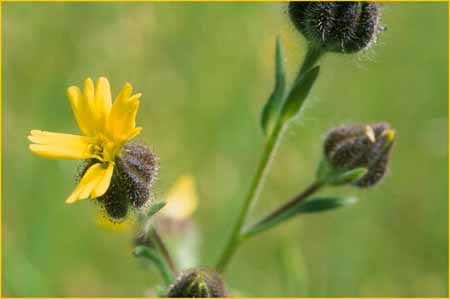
205,70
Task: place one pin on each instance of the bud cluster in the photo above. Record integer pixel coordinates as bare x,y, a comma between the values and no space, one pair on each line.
343,27
353,146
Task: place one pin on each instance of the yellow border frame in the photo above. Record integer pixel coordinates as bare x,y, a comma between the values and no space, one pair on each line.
106,1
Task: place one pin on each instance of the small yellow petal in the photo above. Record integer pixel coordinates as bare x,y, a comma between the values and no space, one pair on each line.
45,137
102,100
95,175
83,107
133,133
76,101
59,146
130,112
74,196
182,199
116,109
88,91
104,183
125,93
123,118
58,153
86,184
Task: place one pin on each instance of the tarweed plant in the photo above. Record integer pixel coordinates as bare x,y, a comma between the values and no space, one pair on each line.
118,174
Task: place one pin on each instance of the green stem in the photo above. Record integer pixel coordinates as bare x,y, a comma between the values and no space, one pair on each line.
160,263
312,56
313,188
255,187
163,249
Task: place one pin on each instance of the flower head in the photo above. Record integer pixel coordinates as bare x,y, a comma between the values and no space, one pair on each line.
182,199
106,127
343,27
354,146
135,171
198,283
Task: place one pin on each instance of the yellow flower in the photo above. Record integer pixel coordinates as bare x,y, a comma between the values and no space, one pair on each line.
106,127
182,199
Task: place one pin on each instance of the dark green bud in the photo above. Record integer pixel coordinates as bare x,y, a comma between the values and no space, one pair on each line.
198,283
134,172
342,27
358,146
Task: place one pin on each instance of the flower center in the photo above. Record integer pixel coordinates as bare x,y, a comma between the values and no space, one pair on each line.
104,150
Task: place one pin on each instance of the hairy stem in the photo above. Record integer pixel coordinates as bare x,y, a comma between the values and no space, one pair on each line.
163,250
313,188
158,261
252,194
312,56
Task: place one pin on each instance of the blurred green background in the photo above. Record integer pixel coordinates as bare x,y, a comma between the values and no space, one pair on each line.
205,70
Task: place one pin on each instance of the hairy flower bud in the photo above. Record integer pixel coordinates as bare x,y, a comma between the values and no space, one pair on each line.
343,27
353,146
135,171
199,282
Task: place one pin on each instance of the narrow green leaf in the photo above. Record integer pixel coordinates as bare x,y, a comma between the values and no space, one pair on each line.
299,93
322,204
329,175
153,256
155,208
314,205
271,110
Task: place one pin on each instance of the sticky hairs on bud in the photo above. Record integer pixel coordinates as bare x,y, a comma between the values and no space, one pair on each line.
134,173
354,146
342,27
198,283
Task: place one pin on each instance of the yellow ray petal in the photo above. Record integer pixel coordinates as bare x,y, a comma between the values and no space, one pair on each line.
96,175
79,108
104,183
59,146
131,107
88,91
122,119
116,109
86,184
89,110
57,153
125,93
102,100
182,199
83,107
133,133
45,137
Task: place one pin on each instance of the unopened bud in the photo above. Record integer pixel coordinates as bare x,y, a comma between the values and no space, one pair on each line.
198,283
358,146
343,27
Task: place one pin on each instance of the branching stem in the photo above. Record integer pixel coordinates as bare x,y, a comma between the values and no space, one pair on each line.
261,173
311,57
